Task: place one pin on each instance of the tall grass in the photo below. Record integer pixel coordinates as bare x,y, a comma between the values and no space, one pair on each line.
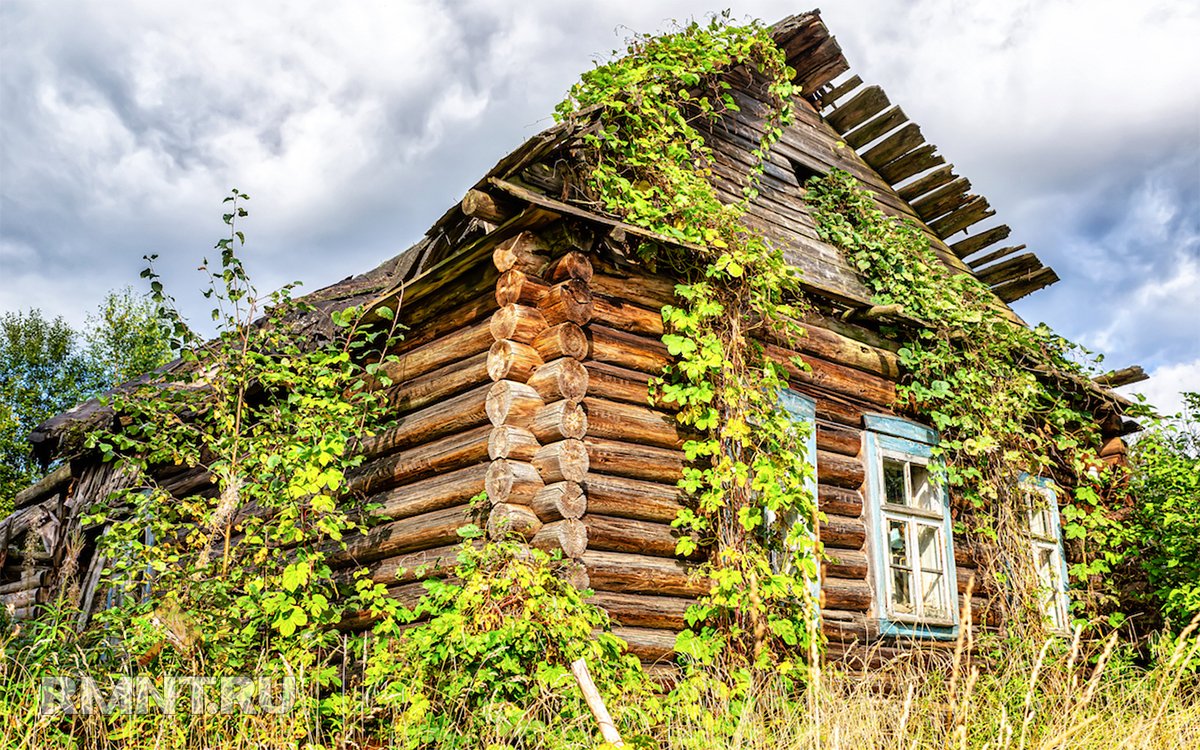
1001,695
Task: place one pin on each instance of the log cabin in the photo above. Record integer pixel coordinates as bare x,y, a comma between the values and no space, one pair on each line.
533,334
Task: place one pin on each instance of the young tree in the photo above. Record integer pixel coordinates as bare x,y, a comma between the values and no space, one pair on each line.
125,337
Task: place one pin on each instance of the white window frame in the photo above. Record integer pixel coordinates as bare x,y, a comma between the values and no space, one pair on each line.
1046,536
892,439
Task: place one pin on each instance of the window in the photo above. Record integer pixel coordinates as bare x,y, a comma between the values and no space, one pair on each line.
1045,536
801,409
912,552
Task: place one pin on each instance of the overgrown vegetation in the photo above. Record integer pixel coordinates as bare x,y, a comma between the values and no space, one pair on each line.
239,580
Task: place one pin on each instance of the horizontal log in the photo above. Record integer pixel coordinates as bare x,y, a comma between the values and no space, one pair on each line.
839,439
635,461
846,563
512,403
843,532
516,287
426,531
836,409
839,471
562,340
645,611
560,379
646,574
627,316
558,501
571,265
440,384
506,521
843,350
569,536
512,482
650,292
487,207
836,378
517,322
568,301
618,383
839,500
844,593
512,360
648,644
564,461
28,580
636,424
524,251
452,347
628,350
560,420
413,566
632,498
452,415
612,534
442,455
513,443
439,491
46,486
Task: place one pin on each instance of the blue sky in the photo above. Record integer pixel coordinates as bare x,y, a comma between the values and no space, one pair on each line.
123,124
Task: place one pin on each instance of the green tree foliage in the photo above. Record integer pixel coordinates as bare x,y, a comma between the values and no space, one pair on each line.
1165,489
46,367
124,337
44,370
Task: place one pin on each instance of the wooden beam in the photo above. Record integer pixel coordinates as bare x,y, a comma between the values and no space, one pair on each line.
894,146
977,242
995,255
943,200
1124,376
867,103
837,92
1008,270
861,136
912,163
975,211
931,181
1015,290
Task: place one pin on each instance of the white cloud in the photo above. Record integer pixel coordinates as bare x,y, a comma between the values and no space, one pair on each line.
1163,388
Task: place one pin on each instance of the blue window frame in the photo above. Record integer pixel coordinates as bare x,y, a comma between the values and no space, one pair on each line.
801,409
910,534
1045,537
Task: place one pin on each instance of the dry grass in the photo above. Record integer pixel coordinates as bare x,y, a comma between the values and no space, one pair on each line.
1056,695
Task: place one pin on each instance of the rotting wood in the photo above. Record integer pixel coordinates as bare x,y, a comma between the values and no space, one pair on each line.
894,146
1014,290
636,424
972,212
910,164
875,128
571,265
517,287
943,200
524,252
866,103
568,301
977,242
485,207
1012,268
995,255
927,183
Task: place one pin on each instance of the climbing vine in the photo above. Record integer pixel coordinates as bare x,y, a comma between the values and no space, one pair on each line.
994,388
649,165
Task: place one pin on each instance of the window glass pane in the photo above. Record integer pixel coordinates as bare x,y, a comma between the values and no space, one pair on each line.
929,547
924,493
898,543
934,596
902,592
893,482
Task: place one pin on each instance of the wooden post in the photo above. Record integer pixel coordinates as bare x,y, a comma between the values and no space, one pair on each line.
608,730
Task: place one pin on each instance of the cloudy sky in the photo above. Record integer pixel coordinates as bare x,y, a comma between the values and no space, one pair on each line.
354,125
